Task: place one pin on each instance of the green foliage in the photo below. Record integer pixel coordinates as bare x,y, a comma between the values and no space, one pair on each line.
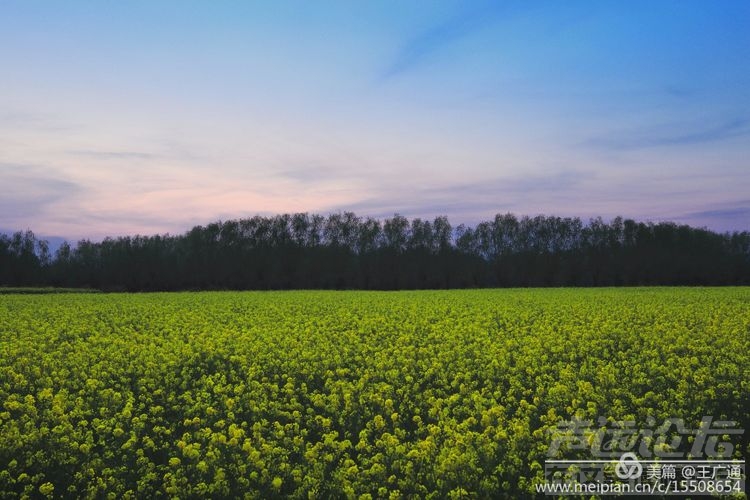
345,394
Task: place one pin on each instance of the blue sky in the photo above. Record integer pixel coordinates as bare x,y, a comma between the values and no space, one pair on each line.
150,117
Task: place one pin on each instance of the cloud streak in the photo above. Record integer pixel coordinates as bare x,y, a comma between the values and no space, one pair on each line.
436,38
29,190
653,139
114,155
469,202
15,119
729,216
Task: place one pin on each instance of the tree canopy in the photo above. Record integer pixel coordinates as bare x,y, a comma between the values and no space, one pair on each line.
345,251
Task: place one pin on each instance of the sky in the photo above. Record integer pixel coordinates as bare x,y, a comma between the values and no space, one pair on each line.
147,117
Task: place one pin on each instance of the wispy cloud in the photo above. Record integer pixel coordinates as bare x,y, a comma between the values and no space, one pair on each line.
527,184
642,139
724,213
29,190
680,91
15,119
742,210
314,173
432,40
468,201
114,155
729,216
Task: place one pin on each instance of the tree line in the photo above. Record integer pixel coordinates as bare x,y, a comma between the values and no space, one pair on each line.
345,251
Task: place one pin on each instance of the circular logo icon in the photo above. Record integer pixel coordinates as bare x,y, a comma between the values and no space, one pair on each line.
628,467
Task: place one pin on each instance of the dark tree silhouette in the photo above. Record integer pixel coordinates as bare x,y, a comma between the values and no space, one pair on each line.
346,251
